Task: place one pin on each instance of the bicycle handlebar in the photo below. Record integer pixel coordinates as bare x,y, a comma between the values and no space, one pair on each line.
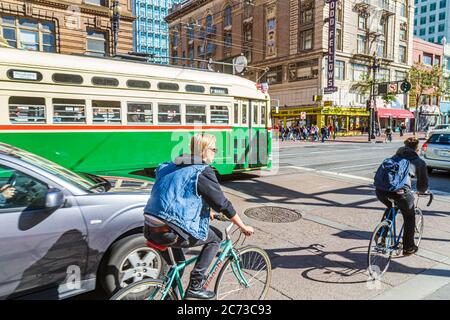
427,193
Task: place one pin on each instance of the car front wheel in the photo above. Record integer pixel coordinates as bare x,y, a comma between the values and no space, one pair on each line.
130,260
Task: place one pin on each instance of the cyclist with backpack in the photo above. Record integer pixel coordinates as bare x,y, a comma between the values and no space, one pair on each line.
393,181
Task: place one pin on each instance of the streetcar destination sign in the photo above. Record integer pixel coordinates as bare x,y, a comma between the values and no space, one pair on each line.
330,88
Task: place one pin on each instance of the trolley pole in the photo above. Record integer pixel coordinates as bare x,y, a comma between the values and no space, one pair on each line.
114,15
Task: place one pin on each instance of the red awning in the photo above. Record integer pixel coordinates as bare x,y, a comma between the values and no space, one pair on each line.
395,113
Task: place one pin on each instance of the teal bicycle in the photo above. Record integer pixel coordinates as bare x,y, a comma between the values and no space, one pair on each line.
243,274
386,242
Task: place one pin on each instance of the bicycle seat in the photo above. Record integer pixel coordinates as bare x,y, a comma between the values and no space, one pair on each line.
155,246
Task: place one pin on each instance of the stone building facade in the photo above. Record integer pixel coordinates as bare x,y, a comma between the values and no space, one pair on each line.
290,37
75,27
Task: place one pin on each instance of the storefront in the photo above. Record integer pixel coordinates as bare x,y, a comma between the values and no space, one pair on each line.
394,118
346,121
445,112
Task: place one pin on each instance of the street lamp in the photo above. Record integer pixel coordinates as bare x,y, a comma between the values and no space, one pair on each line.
114,15
372,102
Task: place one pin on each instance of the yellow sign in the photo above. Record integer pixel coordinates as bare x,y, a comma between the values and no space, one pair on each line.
328,104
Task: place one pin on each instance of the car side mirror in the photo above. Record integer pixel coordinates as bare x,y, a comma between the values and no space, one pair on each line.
54,199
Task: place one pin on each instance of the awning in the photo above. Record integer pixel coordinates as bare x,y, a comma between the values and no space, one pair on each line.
395,113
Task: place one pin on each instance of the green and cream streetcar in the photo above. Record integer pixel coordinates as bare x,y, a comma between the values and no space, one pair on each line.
122,118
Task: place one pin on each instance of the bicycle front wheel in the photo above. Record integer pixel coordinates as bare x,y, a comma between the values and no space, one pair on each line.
418,231
146,289
380,250
256,268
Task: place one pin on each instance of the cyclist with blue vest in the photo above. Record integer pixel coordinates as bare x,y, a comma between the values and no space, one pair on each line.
178,212
393,181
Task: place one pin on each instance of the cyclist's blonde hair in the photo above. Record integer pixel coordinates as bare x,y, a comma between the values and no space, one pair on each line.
200,142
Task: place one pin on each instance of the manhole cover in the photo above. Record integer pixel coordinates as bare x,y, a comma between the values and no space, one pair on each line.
273,214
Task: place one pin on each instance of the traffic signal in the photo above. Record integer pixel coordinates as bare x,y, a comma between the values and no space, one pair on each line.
405,86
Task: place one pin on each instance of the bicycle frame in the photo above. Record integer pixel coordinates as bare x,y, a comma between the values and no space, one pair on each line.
391,216
174,272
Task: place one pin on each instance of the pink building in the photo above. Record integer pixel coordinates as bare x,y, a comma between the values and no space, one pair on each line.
429,54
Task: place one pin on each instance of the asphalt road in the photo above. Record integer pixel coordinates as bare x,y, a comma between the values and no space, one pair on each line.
355,159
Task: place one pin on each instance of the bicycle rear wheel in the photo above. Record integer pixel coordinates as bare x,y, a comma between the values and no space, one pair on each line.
146,289
380,250
419,226
256,268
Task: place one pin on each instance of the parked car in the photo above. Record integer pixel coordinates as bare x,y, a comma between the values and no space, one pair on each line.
436,151
63,234
430,130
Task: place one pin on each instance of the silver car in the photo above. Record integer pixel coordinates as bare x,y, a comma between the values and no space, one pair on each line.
436,151
62,234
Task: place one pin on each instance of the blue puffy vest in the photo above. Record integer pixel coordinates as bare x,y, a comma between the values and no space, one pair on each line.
174,198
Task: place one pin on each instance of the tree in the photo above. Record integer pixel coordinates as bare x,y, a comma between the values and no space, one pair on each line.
425,80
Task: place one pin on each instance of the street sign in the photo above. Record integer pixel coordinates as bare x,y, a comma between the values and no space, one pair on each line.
331,46
396,87
317,98
328,103
393,88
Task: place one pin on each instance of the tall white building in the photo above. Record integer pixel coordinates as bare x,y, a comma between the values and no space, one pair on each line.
432,20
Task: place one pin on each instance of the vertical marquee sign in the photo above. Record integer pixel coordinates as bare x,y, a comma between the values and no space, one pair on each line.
330,88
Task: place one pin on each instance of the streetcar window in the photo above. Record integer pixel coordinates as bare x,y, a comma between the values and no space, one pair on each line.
105,82
69,111
169,114
24,75
217,90
195,114
67,78
26,110
168,86
139,84
106,112
244,113
263,113
196,89
236,113
255,113
140,113
220,115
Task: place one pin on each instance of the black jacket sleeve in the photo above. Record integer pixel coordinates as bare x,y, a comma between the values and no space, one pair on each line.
422,175
209,188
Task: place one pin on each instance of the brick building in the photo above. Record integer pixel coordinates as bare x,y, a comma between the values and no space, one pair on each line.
291,38
429,54
75,27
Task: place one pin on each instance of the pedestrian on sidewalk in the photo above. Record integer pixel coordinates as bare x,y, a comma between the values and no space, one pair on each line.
324,132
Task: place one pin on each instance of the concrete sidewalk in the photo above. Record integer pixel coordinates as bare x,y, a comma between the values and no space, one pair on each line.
357,139
323,255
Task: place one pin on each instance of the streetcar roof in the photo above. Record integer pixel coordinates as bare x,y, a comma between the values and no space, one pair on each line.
238,86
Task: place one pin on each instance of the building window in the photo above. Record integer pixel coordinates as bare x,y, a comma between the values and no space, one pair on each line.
139,113
437,60
427,59
441,16
306,40
431,29
383,75
423,20
361,47
339,72
96,2
442,4
402,54
433,6
400,75
381,48
26,109
274,75
227,17
29,34
69,111
433,18
304,70
95,43
169,114
402,34
362,22
339,40
307,15
403,9
228,40
359,72
441,28
195,114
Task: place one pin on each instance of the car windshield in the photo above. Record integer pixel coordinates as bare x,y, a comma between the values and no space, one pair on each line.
441,126
48,166
443,138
